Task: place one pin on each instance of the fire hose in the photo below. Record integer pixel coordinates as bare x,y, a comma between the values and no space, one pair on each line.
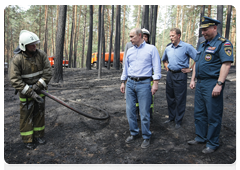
75,110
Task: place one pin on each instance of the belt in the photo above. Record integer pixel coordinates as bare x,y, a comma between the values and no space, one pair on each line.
139,78
175,71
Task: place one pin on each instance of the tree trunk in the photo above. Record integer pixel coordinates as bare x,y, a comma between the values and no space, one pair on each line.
116,61
138,18
52,31
103,38
70,62
146,17
228,21
110,42
100,45
177,17
151,22
58,71
46,29
89,52
154,24
233,36
39,36
220,18
99,32
209,11
84,36
75,38
201,15
67,38
123,26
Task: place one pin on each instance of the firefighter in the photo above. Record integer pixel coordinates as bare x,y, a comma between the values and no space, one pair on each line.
29,73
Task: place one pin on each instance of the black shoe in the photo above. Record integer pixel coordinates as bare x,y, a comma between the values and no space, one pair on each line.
131,138
208,150
145,143
29,146
177,126
168,121
194,142
40,141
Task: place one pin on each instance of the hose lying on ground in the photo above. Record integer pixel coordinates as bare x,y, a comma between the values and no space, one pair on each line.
75,110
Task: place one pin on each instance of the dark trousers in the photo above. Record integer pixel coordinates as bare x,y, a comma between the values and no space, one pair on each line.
208,112
176,92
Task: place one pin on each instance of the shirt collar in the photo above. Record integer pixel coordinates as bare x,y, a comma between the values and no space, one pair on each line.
141,45
179,44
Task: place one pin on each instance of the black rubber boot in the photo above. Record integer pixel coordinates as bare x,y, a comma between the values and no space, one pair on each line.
40,141
29,146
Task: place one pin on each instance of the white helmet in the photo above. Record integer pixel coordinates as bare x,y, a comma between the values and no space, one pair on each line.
145,31
27,37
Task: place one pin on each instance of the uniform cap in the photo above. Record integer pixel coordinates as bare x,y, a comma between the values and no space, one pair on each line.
207,22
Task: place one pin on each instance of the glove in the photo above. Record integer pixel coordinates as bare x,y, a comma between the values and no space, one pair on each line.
36,88
37,98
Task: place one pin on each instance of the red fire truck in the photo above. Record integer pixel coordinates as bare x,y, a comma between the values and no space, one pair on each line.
51,60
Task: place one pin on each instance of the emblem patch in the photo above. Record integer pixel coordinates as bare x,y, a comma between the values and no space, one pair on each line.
208,57
211,48
228,50
203,19
227,44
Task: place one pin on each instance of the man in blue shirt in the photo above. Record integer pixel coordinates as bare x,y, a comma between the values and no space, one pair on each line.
140,60
176,61
211,69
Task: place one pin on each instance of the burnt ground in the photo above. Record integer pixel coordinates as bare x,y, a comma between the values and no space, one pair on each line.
75,139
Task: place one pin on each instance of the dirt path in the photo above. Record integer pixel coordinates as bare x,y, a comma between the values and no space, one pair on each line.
74,139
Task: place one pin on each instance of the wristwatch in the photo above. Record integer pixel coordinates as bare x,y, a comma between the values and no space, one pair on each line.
122,81
220,83
190,69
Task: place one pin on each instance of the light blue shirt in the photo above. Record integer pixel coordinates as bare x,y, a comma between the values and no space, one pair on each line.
178,57
140,61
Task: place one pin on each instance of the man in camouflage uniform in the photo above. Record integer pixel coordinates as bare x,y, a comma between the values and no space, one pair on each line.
29,73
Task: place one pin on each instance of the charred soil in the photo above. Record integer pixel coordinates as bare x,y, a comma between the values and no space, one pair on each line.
75,139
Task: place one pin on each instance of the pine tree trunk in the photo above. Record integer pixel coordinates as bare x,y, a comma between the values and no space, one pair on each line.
116,61
70,62
75,38
123,26
209,10
99,32
58,71
220,18
138,18
39,36
110,42
46,29
228,21
177,17
154,25
89,52
84,36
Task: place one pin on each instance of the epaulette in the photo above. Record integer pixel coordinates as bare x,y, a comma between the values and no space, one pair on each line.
202,42
222,39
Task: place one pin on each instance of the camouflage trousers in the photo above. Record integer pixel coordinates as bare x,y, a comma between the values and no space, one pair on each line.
32,119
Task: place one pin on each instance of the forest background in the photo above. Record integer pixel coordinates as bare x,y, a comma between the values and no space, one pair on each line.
43,20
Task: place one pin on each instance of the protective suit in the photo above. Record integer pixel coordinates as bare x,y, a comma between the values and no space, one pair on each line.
25,72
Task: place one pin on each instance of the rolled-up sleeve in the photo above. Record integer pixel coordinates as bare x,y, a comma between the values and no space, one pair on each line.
156,63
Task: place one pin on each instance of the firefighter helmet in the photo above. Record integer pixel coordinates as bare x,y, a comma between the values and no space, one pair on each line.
27,37
145,31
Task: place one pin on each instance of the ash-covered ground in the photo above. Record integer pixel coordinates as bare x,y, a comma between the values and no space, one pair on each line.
75,139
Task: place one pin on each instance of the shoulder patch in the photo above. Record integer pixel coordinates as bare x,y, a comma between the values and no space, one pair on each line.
222,39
